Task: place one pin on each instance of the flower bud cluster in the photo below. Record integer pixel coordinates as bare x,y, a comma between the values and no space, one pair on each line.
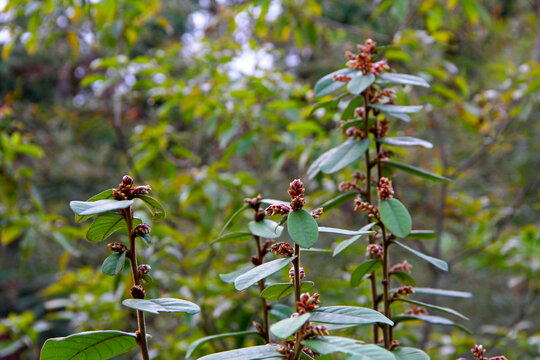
137,291
301,271
144,269
383,155
363,60
366,207
349,186
126,190
404,266
316,331
316,213
142,229
380,130
385,189
308,303
254,202
286,349
282,248
416,310
117,247
403,291
376,250
355,132
280,209
296,191
478,352
341,78
383,94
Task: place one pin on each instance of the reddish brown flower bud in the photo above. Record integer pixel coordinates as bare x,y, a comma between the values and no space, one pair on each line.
376,250
308,303
417,310
354,131
117,247
349,186
142,229
119,195
144,269
297,203
280,209
403,291
301,271
366,207
359,112
385,189
127,181
254,202
137,291
404,266
296,188
316,213
282,248
141,190
342,78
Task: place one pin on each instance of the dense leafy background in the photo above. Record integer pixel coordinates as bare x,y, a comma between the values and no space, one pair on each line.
210,101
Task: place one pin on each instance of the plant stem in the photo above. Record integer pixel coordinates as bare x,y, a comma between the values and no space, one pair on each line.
261,288
132,256
297,289
373,275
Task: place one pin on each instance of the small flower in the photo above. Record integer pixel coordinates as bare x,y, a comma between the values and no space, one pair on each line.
280,209
144,269
376,250
308,303
403,291
282,248
385,189
404,266
349,186
137,291
316,213
142,229
296,188
297,203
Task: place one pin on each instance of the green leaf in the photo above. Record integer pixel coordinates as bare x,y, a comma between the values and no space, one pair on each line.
359,83
348,113
324,229
348,315
302,228
145,238
114,263
230,277
233,216
97,345
266,229
441,264
422,234
279,290
407,353
404,278
442,292
250,353
326,85
338,200
395,217
107,194
97,207
367,266
281,311
201,341
155,306
435,307
104,226
397,109
330,105
344,155
286,327
332,344
346,243
403,79
230,236
437,320
416,171
404,141
155,207
316,250
315,167
260,272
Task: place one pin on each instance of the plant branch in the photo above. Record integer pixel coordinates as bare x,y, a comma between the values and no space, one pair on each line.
297,290
261,283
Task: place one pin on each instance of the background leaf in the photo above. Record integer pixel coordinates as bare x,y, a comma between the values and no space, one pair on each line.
260,272
155,306
114,263
441,264
344,155
154,206
267,229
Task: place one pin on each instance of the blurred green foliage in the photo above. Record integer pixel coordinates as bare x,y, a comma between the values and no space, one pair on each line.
210,102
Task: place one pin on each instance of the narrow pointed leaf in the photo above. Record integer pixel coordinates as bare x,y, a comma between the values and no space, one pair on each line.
395,217
250,353
416,171
230,236
156,306
114,263
397,109
230,277
233,216
442,292
98,345
356,350
201,341
346,243
403,79
359,83
107,194
260,272
344,155
364,268
266,229
105,225
405,141
316,250
155,207
324,229
326,85
407,353
437,320
315,167
285,328
400,116
422,234
281,311
404,278
97,207
348,315
277,291
302,228
435,307
145,238
441,264
338,200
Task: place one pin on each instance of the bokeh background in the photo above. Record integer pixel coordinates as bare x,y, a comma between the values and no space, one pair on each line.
210,102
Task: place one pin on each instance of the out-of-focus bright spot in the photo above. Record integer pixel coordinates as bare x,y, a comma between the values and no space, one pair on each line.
292,60
130,80
5,35
274,10
250,62
62,21
159,78
25,37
